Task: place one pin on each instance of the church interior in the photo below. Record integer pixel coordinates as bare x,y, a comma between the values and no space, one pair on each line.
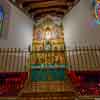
49,50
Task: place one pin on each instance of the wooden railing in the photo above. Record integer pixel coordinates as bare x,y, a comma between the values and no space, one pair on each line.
84,58
78,58
13,59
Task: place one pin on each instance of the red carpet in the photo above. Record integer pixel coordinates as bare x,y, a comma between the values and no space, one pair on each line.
86,82
11,83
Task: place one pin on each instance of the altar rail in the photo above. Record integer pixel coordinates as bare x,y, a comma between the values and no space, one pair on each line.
78,58
13,60
84,58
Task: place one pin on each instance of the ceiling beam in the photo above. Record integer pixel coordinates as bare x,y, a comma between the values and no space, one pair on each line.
45,4
35,9
50,9
22,1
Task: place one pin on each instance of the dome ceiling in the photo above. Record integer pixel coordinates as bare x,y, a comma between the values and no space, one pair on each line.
38,8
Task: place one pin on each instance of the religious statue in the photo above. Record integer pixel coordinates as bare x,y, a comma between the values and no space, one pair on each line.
48,45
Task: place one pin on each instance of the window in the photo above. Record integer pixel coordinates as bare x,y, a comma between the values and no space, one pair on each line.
1,20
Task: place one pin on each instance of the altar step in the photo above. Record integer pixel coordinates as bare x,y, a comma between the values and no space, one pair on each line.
69,95
52,86
58,90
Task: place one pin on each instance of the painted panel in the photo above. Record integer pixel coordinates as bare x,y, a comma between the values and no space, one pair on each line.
48,57
39,75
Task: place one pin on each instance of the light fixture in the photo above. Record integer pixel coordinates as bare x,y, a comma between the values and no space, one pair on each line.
13,1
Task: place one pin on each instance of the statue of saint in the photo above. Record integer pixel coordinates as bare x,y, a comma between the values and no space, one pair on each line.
47,45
